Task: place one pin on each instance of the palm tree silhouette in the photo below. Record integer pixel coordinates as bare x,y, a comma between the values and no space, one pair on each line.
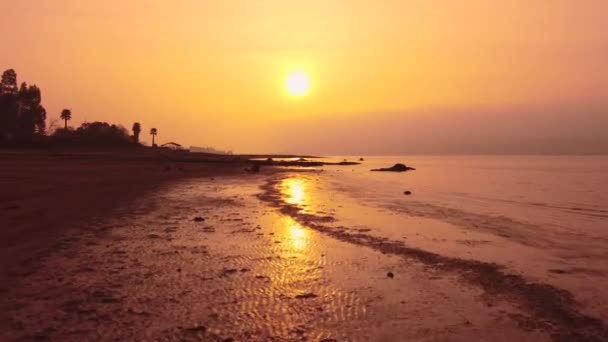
136,131
66,115
153,132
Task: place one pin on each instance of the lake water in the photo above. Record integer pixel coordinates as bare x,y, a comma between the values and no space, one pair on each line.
543,217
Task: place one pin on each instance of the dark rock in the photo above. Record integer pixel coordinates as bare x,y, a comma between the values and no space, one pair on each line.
407,192
229,271
361,159
197,329
306,296
199,219
390,275
558,271
396,168
255,168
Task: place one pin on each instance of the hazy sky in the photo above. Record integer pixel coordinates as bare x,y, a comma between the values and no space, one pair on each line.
387,76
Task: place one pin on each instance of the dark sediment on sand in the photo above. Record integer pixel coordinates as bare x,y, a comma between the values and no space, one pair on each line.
550,309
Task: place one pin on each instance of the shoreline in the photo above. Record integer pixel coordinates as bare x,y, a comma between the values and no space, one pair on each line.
246,272
259,265
551,309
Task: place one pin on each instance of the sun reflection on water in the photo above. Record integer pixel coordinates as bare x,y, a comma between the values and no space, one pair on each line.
293,190
298,237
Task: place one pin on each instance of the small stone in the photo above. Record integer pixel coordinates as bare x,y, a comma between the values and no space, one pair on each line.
306,295
390,275
199,219
179,270
197,329
407,193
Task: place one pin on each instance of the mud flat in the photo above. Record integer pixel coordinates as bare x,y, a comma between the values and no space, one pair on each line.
239,258
46,194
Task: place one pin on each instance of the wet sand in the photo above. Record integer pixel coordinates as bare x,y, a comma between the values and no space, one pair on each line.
259,267
47,194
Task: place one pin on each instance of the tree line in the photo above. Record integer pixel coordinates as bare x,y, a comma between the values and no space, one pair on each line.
23,121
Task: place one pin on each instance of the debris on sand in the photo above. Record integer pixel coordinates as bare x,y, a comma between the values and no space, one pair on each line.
255,168
390,275
229,271
197,329
407,192
198,219
558,271
306,295
395,168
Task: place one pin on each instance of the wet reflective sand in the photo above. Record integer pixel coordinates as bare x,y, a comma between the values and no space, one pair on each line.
269,262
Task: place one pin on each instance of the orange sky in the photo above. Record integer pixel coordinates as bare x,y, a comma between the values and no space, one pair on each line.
211,72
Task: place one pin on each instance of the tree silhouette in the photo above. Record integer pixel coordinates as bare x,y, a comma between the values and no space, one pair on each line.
9,82
136,131
31,114
153,132
22,117
9,107
66,115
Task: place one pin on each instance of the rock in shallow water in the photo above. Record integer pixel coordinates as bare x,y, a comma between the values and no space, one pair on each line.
395,168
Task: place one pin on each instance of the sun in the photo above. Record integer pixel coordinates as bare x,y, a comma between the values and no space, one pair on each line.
297,83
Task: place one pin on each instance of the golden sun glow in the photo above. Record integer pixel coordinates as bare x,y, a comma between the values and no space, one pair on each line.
294,191
299,237
297,83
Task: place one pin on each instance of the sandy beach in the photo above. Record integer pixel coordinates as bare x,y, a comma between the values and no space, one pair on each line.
149,250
